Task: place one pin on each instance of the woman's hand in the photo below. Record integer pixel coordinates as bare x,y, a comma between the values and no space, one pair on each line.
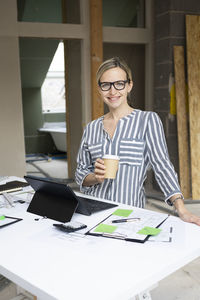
99,170
185,214
98,175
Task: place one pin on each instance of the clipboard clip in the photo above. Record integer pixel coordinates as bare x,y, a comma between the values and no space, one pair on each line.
116,236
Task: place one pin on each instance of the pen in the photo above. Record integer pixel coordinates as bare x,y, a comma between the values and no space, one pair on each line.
125,220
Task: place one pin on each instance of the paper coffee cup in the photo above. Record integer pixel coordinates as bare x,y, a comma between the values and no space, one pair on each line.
111,163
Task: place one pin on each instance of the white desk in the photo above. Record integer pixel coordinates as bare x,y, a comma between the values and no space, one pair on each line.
53,266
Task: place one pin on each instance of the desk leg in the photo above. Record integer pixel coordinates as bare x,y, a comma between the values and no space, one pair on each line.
23,297
26,295
144,296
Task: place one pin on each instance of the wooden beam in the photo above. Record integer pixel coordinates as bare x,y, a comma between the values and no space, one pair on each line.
126,35
96,44
67,103
193,62
49,30
182,121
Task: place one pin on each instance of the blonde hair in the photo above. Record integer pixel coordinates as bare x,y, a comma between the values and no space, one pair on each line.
113,63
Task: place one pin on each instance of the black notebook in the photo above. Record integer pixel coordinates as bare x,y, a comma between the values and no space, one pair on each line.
12,186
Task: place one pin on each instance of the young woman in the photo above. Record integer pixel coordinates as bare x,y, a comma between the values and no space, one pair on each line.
136,136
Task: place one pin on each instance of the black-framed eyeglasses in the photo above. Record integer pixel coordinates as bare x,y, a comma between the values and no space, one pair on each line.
118,85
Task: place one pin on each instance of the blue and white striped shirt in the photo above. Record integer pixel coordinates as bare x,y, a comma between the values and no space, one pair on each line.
140,143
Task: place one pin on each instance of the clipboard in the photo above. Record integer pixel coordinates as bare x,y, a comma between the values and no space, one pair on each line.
6,220
146,224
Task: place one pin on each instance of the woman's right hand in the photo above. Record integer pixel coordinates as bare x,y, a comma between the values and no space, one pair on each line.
99,170
98,175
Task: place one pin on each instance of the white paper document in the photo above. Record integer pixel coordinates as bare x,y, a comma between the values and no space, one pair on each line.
136,224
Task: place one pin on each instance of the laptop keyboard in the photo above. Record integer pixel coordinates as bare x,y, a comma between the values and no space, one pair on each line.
95,205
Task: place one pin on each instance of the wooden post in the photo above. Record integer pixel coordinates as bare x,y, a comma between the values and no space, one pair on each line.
68,137
68,134
193,61
182,121
96,42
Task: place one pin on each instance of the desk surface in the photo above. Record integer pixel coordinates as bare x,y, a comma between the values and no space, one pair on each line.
54,265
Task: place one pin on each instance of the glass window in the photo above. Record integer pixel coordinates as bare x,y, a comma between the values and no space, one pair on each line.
126,13
53,87
49,11
42,75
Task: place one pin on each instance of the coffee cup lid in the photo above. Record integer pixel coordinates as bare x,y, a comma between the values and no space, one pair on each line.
110,156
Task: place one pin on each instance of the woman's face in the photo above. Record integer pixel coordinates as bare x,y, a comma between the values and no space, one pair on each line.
115,98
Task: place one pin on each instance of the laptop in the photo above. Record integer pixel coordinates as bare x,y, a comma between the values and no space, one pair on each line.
54,192
87,206
52,200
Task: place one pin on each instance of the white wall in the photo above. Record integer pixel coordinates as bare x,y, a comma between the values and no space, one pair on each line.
12,150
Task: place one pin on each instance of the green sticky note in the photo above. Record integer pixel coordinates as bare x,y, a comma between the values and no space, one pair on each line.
122,212
105,228
149,231
2,217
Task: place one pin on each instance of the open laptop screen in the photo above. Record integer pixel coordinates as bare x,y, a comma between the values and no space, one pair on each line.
52,200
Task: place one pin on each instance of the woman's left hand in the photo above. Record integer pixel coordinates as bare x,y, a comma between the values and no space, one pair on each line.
189,217
182,211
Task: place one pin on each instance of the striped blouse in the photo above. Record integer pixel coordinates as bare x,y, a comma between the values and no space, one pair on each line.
140,143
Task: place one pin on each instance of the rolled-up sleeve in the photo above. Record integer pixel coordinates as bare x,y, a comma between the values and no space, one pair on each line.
159,158
84,163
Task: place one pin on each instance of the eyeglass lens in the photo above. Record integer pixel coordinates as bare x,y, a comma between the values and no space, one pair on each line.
118,85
